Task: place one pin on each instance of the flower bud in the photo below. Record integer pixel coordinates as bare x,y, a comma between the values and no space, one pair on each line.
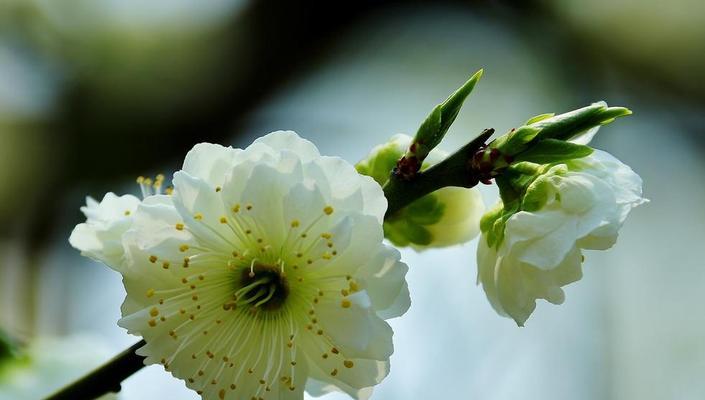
445,217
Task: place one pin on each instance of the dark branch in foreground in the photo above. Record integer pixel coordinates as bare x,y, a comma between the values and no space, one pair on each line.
455,170
105,379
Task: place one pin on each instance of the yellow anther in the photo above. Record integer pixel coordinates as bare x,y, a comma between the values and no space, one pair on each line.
154,312
324,355
249,206
328,210
354,287
152,323
140,179
326,256
150,292
326,235
218,189
236,208
179,226
221,394
223,220
334,372
147,181
295,223
165,264
194,297
198,216
152,259
183,248
348,364
345,303
334,350
127,212
344,292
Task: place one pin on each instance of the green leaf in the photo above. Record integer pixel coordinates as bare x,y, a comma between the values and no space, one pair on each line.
568,125
435,126
553,150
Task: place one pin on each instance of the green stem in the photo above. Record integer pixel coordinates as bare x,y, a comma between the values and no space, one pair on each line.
453,171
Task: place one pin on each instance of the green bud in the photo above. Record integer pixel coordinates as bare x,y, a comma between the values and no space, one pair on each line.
445,217
435,126
571,124
549,138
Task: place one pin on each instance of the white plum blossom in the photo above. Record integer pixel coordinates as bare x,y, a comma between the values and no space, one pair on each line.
100,237
264,273
571,206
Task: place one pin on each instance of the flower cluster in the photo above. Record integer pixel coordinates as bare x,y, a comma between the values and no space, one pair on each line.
261,274
530,252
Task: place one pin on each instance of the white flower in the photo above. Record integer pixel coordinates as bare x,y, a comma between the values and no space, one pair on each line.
579,204
446,217
100,237
264,273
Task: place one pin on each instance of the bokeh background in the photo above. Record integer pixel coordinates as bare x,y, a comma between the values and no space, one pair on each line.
95,93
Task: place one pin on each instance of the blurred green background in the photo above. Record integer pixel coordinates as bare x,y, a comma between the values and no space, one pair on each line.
94,93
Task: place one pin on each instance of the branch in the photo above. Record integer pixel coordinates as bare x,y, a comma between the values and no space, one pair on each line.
453,171
105,379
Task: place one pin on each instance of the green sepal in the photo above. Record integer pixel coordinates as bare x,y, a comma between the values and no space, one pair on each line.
553,150
538,118
408,226
516,141
403,233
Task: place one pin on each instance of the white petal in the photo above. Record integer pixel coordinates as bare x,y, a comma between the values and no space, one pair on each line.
585,137
344,184
461,218
210,162
290,141
100,237
356,330
546,237
384,280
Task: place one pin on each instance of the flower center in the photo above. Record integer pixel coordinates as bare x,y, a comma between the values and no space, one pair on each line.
263,286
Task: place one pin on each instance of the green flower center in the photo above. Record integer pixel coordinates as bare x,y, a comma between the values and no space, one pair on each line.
262,286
